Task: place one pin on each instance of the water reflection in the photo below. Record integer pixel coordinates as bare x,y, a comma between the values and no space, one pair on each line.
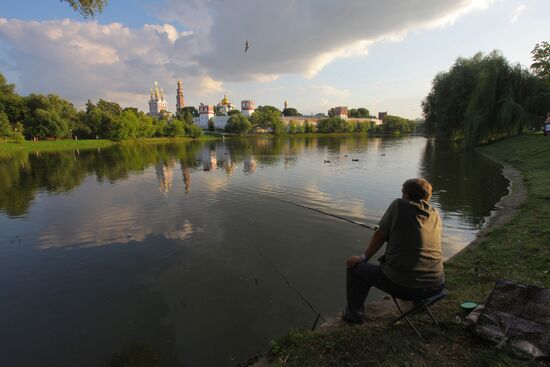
182,246
461,188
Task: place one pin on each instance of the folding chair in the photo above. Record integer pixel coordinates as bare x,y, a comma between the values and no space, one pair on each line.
421,305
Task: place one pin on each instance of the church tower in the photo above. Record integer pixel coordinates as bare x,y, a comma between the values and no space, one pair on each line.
157,103
180,101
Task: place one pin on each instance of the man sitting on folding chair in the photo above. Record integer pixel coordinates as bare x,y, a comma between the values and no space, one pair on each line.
412,266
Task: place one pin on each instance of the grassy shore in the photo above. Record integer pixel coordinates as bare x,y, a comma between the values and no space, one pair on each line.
518,250
60,145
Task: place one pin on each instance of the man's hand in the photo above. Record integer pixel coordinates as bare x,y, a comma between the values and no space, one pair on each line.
354,260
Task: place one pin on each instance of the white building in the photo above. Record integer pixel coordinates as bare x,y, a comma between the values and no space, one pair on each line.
157,103
248,107
225,106
341,112
206,112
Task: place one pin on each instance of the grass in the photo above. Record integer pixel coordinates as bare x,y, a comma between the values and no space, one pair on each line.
519,250
54,145
67,144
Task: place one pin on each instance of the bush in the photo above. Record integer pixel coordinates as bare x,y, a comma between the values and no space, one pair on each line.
309,127
362,126
278,127
334,125
194,131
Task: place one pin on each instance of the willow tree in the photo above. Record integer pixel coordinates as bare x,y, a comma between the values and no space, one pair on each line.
485,98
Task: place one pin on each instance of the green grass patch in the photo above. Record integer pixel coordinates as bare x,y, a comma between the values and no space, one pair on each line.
519,250
53,145
8,146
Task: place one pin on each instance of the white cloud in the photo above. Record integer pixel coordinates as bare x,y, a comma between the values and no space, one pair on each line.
519,10
82,60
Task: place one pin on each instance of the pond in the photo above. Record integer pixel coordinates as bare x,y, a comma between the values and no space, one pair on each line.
198,249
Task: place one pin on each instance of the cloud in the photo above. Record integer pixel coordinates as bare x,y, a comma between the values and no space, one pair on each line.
303,36
202,43
519,10
82,60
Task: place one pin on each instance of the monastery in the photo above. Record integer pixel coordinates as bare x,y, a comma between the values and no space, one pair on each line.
219,114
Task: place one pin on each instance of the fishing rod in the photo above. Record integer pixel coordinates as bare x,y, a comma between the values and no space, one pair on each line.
329,214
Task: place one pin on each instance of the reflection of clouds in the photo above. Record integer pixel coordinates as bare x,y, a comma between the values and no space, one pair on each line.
348,207
115,227
125,213
180,233
89,236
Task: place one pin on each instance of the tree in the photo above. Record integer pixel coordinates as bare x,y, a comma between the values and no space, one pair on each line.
192,110
174,128
111,108
541,60
211,125
5,128
278,127
266,117
290,112
87,8
485,98
362,126
397,125
238,124
10,102
49,117
360,112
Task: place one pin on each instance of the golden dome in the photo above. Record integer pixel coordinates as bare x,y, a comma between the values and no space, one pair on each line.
224,101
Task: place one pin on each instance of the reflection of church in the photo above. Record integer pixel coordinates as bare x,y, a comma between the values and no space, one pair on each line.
186,177
165,175
249,165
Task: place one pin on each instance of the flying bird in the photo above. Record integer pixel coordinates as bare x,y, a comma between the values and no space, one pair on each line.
246,46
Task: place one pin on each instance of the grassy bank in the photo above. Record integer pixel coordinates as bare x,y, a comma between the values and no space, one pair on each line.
60,145
518,250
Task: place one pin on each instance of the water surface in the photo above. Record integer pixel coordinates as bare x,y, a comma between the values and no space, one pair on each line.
196,248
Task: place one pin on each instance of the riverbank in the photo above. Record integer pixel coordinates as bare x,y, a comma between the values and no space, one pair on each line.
7,146
513,245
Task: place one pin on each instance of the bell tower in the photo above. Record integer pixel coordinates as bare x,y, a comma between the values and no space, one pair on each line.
180,101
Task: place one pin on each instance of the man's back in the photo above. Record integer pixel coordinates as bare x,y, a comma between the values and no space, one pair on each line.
413,255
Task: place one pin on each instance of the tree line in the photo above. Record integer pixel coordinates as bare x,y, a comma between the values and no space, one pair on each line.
485,98
39,116
268,118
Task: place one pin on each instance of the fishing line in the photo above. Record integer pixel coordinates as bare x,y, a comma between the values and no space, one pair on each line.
289,284
329,214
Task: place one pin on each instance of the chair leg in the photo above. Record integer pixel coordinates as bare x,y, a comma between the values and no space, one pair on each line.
432,317
404,316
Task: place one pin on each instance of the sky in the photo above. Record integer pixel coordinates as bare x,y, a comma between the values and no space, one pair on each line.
315,54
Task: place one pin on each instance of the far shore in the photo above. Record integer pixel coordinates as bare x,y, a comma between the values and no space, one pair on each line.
7,146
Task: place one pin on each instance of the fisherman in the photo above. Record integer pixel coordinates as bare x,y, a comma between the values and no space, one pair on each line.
412,266
547,125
